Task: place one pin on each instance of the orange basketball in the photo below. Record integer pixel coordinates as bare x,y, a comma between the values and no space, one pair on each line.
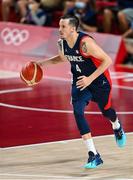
31,73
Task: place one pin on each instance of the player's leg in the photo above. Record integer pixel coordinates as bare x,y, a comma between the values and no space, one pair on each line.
104,103
79,100
120,136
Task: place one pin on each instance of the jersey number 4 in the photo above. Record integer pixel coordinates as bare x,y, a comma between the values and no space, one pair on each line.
78,68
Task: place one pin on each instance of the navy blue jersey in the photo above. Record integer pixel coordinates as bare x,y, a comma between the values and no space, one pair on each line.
82,65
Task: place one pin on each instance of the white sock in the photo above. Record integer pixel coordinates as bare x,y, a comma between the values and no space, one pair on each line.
116,124
90,145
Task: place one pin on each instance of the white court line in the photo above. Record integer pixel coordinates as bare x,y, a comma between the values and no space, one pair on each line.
55,110
15,90
41,176
51,176
69,80
122,87
122,76
9,74
59,142
128,80
55,177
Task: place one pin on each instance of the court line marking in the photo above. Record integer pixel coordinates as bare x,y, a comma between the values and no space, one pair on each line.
122,87
43,176
128,80
49,110
52,110
59,142
4,74
50,176
55,110
15,90
55,177
69,80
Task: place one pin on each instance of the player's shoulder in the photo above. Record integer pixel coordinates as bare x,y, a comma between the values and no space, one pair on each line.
87,38
87,41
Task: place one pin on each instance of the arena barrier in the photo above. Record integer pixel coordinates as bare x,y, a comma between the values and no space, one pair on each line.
20,43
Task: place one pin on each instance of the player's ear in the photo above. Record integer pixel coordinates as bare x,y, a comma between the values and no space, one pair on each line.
72,30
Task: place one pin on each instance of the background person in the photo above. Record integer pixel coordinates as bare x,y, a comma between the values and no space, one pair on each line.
86,12
35,14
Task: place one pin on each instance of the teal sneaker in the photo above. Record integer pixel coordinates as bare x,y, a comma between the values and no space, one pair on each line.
93,161
120,137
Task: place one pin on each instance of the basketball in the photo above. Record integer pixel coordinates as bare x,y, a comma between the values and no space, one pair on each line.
31,73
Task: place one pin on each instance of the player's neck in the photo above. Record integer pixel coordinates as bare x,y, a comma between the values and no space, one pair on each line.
72,39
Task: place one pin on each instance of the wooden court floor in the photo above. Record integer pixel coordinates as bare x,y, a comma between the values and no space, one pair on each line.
65,159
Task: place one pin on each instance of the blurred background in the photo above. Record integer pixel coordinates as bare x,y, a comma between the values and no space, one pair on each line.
104,16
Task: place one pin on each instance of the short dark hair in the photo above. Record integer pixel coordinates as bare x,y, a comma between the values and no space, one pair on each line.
73,20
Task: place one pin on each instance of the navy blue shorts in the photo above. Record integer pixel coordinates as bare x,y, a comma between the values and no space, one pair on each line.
99,93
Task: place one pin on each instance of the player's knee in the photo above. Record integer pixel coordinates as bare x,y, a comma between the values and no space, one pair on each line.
78,113
80,119
110,114
82,125
78,109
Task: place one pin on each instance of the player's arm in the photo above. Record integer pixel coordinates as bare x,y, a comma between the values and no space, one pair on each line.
53,60
56,59
90,48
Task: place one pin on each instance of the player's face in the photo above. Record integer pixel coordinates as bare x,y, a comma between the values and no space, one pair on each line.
65,29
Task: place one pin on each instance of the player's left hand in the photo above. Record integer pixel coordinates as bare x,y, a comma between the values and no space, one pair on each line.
83,82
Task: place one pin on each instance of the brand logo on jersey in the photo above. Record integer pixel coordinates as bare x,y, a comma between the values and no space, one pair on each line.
74,58
104,82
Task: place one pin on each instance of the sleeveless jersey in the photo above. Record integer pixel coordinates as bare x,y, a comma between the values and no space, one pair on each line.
81,64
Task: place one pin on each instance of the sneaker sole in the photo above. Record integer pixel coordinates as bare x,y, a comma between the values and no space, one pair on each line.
121,143
88,166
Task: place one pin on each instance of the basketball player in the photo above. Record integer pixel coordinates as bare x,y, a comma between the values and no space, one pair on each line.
91,81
